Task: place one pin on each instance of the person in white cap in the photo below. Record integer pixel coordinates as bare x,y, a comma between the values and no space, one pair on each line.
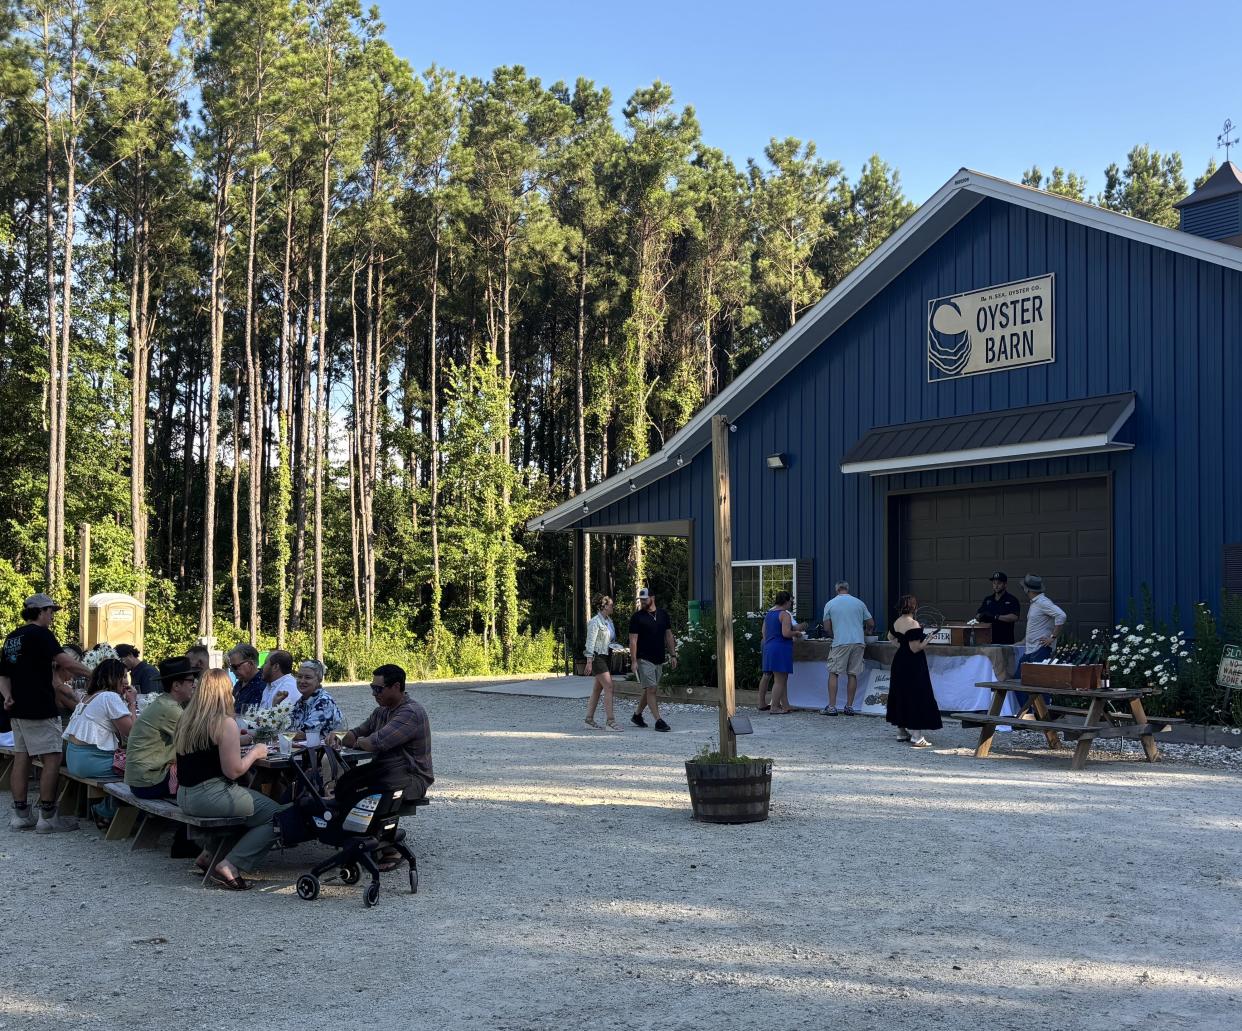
31,662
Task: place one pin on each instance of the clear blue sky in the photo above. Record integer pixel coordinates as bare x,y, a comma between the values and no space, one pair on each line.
930,87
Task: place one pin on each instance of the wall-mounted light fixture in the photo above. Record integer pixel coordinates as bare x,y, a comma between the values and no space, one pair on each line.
732,427
585,508
633,485
778,461
680,460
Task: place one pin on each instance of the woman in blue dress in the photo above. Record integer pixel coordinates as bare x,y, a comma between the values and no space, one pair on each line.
779,630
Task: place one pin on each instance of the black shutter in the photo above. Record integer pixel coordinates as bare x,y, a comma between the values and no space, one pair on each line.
1233,568
804,590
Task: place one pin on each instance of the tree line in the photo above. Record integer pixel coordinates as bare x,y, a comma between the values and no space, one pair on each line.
306,335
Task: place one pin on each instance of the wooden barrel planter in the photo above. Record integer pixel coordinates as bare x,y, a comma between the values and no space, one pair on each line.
730,792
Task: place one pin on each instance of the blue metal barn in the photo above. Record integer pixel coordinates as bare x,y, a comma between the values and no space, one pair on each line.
1064,414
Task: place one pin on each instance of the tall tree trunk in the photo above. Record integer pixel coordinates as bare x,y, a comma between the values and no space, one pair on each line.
252,396
55,384
584,603
301,477
234,553
284,400
321,404
224,184
355,447
433,365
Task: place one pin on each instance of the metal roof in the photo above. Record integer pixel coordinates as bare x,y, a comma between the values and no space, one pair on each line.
1084,426
1225,181
948,206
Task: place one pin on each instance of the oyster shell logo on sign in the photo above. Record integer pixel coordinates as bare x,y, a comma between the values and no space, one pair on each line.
1002,327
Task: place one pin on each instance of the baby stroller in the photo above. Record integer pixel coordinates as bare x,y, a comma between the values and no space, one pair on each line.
358,833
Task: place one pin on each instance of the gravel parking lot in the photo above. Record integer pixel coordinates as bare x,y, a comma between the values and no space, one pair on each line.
564,885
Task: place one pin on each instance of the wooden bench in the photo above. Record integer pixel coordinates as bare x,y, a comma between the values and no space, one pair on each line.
1123,724
975,719
146,818
76,792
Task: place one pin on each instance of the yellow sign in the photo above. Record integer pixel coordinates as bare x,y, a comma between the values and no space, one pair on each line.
993,330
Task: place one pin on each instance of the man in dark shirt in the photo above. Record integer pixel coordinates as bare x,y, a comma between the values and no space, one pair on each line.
651,638
31,661
248,691
1000,609
398,732
144,677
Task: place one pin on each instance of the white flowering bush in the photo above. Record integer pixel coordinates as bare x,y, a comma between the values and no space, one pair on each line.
1143,656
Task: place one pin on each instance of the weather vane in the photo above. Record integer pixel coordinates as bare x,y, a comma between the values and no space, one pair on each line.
1223,139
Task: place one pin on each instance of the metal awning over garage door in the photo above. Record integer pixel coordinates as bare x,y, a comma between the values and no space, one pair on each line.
949,542
1082,427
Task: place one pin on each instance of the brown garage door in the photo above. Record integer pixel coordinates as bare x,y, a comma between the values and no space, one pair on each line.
949,543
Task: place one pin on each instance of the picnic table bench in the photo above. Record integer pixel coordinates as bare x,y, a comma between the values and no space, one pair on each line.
76,791
1064,721
152,815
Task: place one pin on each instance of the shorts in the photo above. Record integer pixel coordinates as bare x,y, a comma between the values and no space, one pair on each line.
599,664
648,674
846,658
37,737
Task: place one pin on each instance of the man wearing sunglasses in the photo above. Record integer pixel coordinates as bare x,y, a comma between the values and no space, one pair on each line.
399,733
243,661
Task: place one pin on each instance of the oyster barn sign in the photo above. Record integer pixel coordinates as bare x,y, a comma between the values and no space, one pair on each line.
1002,327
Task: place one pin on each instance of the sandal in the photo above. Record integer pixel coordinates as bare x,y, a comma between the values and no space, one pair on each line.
388,860
234,883
591,723
764,708
611,725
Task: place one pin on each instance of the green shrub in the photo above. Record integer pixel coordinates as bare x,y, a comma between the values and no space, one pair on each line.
696,654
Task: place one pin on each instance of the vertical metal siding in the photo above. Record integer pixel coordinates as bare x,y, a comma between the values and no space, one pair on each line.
1128,317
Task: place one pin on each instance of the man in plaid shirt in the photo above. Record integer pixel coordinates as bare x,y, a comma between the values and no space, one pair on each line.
399,734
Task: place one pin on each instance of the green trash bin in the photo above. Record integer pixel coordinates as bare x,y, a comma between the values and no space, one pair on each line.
694,612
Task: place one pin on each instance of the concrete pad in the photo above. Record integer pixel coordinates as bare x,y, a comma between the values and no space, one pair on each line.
557,687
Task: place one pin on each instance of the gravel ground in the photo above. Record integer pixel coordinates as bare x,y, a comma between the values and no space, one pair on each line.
565,886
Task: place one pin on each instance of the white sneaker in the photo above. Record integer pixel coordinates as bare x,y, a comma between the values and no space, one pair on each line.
921,742
22,819
56,823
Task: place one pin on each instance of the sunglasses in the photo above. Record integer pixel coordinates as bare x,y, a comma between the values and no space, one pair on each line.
238,665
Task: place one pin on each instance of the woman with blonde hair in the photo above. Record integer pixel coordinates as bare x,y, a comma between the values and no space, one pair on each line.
209,762
600,635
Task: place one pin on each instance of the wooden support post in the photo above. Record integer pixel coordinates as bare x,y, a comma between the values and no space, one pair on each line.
724,584
84,580
577,628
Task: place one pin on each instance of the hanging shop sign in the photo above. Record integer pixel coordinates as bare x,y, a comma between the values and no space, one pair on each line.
993,330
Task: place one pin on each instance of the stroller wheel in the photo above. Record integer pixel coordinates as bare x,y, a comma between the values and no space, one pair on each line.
413,880
350,874
370,894
308,887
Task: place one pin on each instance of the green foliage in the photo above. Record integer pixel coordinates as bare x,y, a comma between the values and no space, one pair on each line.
1061,182
1147,188
696,654
709,754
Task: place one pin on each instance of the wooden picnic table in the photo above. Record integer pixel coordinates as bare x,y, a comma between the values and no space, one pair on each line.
1057,721
274,773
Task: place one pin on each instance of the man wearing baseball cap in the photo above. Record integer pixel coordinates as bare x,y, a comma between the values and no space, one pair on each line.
651,638
30,662
1000,609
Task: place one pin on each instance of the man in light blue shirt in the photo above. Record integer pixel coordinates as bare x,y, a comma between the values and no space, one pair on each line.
847,621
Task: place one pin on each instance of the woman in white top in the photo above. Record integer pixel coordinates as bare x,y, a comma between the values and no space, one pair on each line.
100,723
599,637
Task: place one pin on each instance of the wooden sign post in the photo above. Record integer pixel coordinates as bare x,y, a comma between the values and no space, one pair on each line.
724,584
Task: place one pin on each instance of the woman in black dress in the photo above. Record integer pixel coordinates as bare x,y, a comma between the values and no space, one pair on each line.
911,701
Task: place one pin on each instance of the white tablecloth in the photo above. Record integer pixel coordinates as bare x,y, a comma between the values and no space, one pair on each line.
953,680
